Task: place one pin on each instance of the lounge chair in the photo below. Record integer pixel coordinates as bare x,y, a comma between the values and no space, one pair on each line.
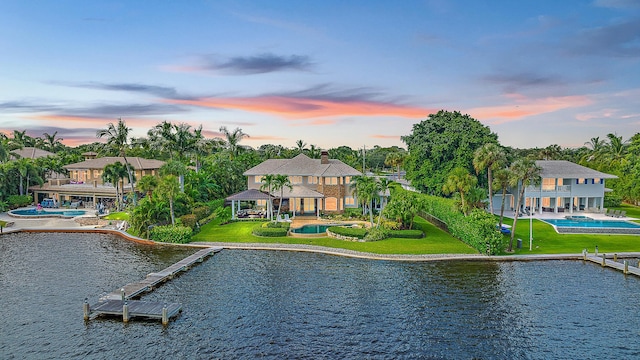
286,218
609,212
279,218
622,214
616,213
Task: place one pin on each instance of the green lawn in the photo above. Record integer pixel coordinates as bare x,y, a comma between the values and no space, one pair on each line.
632,211
547,241
122,215
435,242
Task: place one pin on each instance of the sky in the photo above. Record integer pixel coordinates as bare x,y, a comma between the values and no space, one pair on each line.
330,72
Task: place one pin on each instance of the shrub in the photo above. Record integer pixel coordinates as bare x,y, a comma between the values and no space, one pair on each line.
611,200
201,212
16,201
171,234
376,234
215,204
224,214
277,225
346,231
352,213
406,234
269,232
390,225
188,220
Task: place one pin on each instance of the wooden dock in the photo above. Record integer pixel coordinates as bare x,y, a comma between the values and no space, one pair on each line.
604,262
120,302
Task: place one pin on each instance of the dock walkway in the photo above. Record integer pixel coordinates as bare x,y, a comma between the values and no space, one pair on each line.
602,260
120,302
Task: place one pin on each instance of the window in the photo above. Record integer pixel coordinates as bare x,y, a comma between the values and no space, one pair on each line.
331,181
597,181
581,181
257,179
331,204
349,201
548,184
295,179
347,179
312,180
96,174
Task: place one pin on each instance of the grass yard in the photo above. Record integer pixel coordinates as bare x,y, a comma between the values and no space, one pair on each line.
436,241
547,241
122,215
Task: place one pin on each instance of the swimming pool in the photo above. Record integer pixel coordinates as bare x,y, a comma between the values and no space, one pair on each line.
591,223
33,213
312,229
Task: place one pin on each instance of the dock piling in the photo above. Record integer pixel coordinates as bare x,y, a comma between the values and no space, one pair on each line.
123,295
86,309
626,267
615,257
165,318
604,260
125,312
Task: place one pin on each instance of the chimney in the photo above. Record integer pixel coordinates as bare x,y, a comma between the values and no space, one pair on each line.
324,157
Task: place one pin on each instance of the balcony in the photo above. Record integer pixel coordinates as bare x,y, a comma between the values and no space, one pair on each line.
548,190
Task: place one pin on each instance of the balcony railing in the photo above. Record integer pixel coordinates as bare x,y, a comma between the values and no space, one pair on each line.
560,188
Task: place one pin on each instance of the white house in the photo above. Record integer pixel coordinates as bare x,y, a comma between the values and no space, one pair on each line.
564,187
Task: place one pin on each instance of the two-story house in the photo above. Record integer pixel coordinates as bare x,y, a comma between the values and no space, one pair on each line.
85,180
564,187
316,184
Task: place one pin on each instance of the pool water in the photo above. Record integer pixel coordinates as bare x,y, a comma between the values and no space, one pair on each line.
45,213
604,224
311,229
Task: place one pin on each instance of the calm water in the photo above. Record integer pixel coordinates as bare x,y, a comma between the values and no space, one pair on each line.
261,304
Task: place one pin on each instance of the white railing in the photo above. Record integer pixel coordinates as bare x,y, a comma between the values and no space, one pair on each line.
561,188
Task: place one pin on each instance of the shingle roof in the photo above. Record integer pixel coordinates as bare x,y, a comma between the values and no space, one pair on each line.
100,163
250,195
302,165
32,153
567,169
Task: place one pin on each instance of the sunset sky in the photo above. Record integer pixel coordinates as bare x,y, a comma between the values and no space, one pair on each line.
327,72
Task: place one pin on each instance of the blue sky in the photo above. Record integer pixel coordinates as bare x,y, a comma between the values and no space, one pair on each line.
327,72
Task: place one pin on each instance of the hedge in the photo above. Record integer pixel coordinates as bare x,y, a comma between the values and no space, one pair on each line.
406,234
16,201
171,234
277,225
348,231
269,232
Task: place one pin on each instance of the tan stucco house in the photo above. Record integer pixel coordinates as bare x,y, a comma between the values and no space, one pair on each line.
317,184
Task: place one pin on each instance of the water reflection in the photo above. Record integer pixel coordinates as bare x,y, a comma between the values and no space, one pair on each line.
246,304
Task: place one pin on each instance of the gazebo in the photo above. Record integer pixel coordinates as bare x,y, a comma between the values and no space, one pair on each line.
249,195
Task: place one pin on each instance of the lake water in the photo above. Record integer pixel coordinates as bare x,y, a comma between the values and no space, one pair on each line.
268,304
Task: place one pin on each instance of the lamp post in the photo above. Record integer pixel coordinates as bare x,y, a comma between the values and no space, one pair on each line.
531,227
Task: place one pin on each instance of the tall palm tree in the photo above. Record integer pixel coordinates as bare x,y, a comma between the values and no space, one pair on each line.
114,174
491,157
300,146
501,180
616,150
268,182
279,183
177,168
460,181
50,142
525,172
396,159
233,138
147,184
384,186
169,188
366,188
118,137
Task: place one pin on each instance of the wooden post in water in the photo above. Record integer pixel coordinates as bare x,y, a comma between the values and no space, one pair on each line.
626,267
122,292
125,312
615,257
86,308
165,317
604,260
584,254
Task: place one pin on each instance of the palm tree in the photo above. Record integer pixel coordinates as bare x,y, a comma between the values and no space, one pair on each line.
525,172
366,188
169,188
459,180
384,185
117,138
300,146
501,181
279,183
177,168
27,171
113,174
268,182
616,150
490,156
233,138
147,184
50,142
396,159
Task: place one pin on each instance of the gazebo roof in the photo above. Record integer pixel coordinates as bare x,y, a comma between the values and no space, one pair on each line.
249,195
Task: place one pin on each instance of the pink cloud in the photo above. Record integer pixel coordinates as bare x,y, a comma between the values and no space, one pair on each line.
522,107
305,108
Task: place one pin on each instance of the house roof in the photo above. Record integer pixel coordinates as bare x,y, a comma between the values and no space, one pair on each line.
567,169
298,192
100,163
250,195
302,165
32,153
